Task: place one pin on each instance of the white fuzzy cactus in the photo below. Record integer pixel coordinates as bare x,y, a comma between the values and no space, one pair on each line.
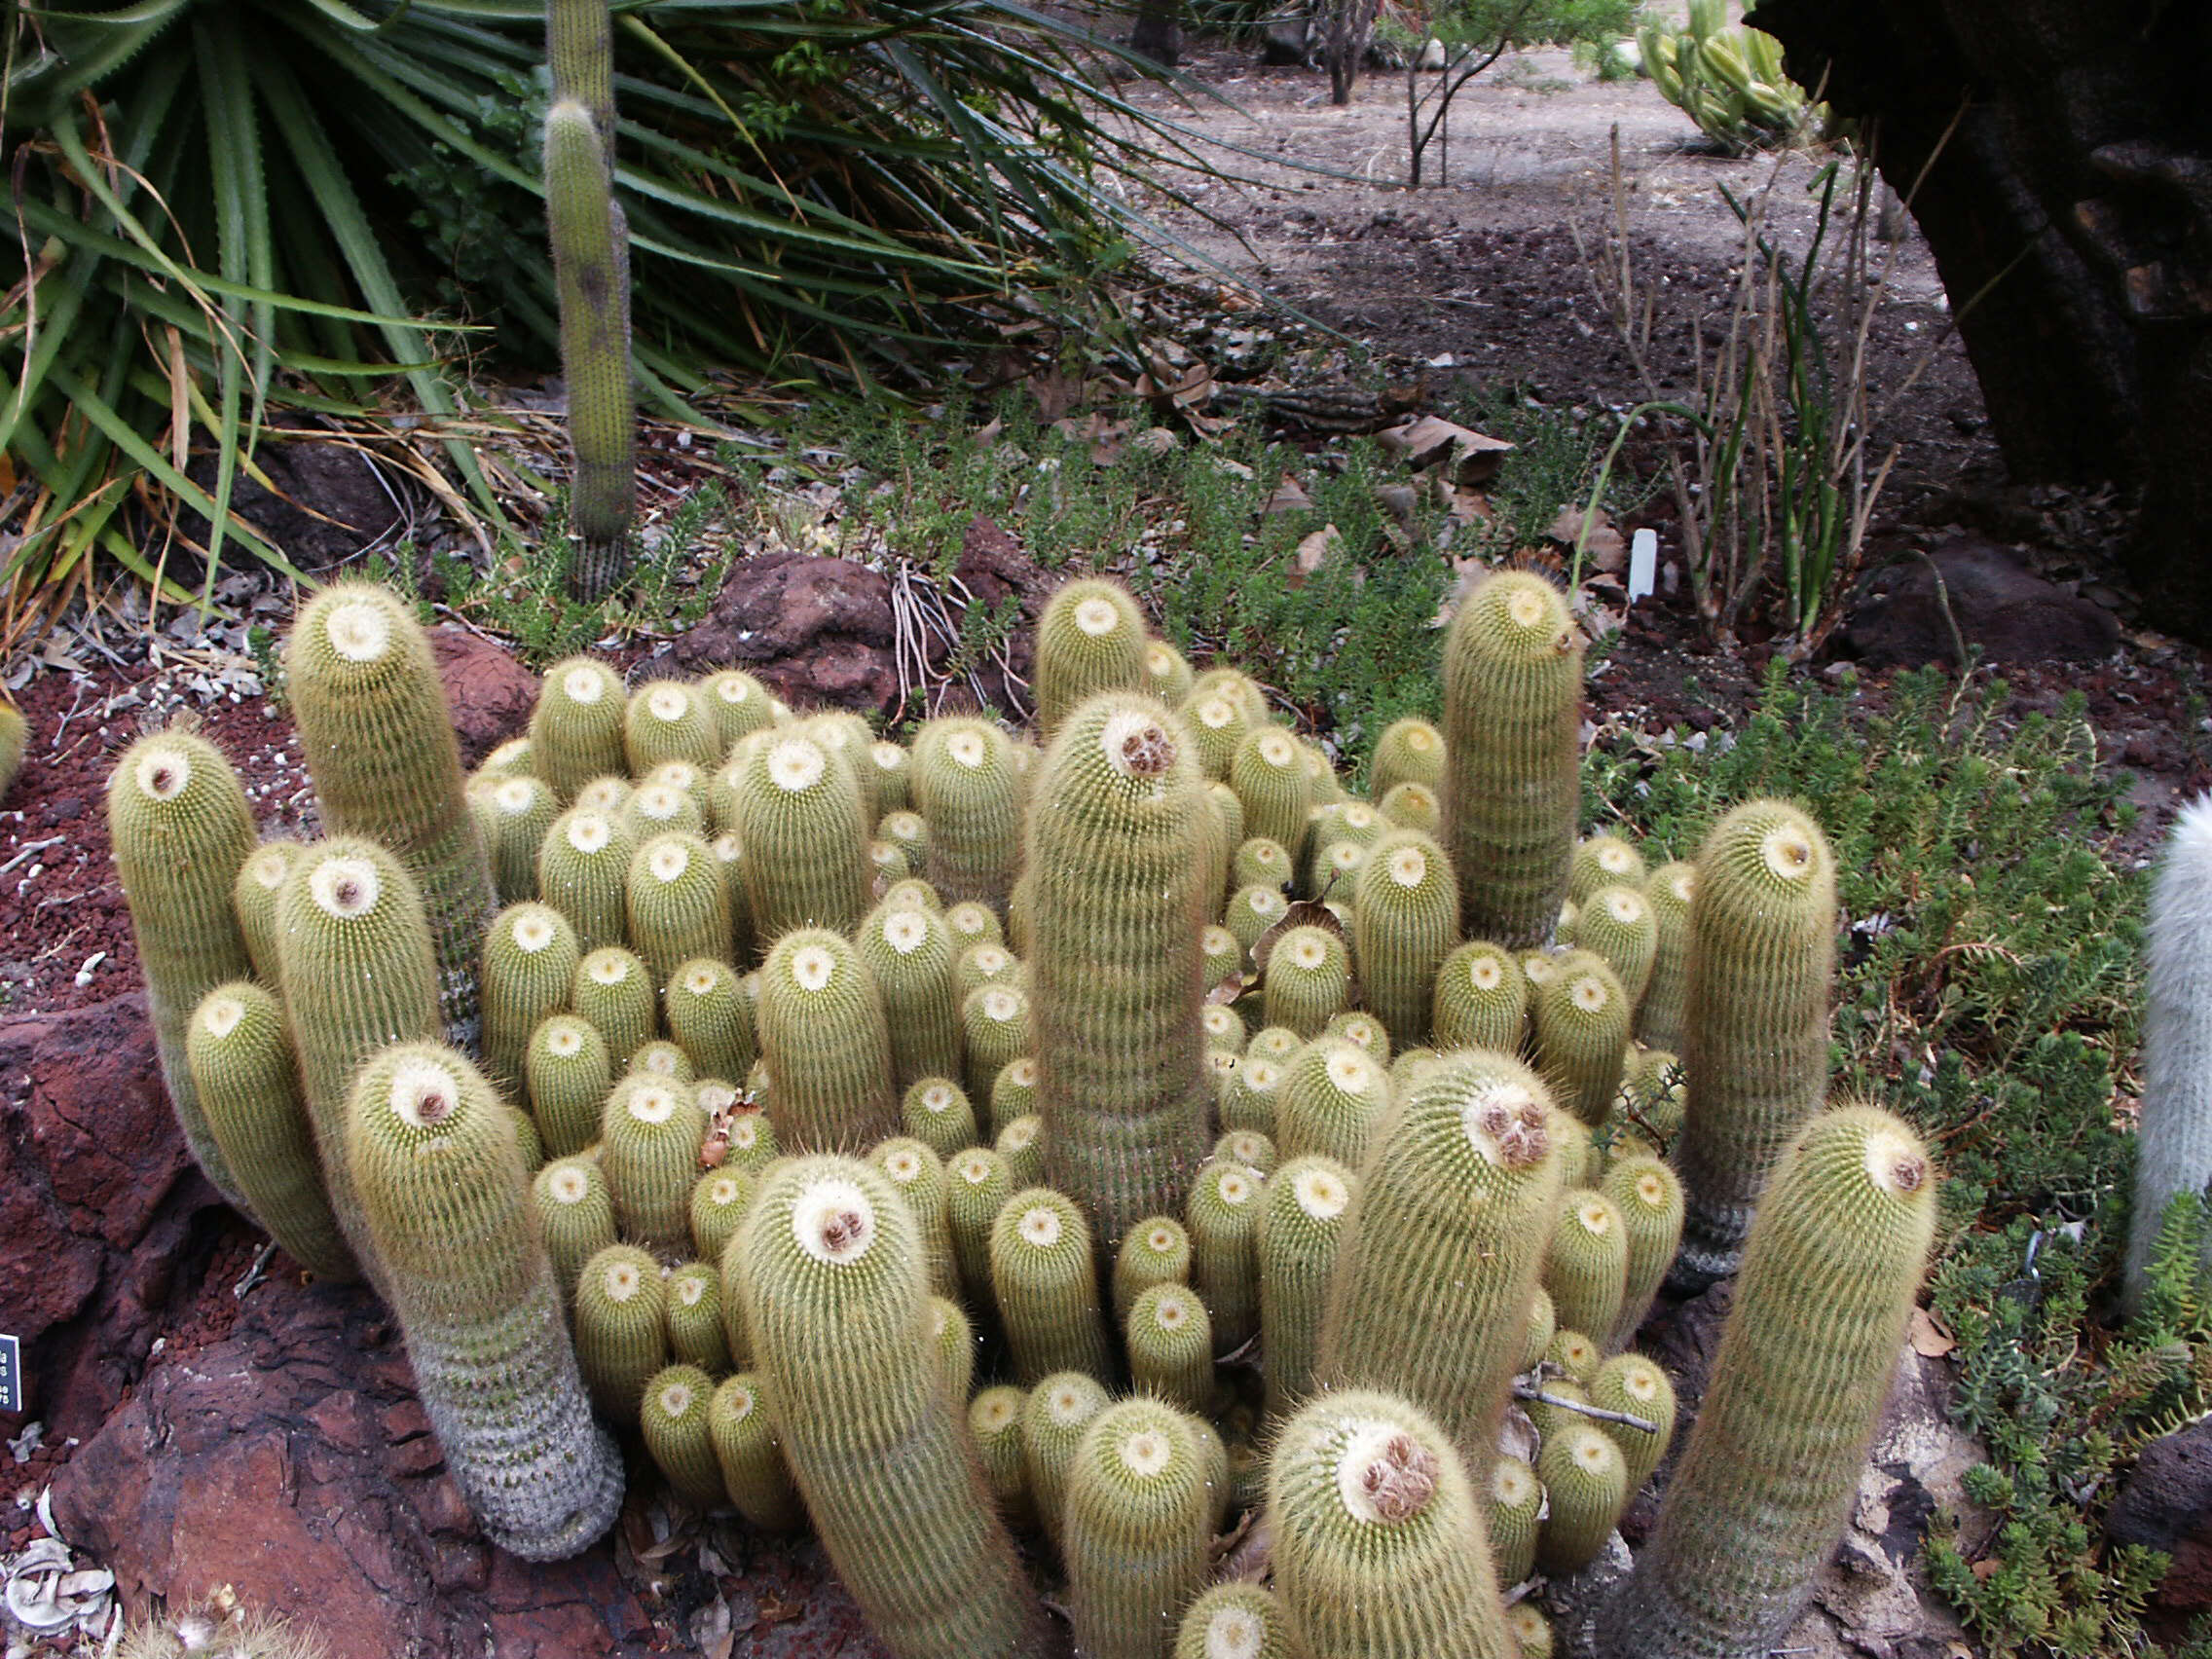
2174,1139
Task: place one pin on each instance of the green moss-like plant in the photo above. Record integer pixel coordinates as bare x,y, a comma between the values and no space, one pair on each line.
1116,969
1512,735
1755,1033
379,742
1379,1551
1045,1282
1443,1246
1764,1487
836,1297
1138,1519
181,833
434,1158
246,1080
1301,1230
826,1045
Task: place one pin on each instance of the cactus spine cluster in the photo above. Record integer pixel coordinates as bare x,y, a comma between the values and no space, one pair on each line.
833,1292
2174,1137
1513,714
1829,1276
439,1171
1116,965
181,833
1763,954
379,743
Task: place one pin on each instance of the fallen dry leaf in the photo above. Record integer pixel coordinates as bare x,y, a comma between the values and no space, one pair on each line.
1314,551
1290,497
1467,456
1928,1338
1606,549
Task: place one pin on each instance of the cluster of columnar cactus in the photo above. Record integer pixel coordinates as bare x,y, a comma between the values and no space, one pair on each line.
1154,1131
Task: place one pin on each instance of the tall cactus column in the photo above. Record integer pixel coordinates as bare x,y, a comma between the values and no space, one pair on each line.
181,830
2174,1143
1764,1486
1116,843
379,743
1755,1040
433,1155
834,1293
1513,718
591,272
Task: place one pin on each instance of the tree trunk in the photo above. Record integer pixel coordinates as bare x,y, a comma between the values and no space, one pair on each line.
1158,32
2075,199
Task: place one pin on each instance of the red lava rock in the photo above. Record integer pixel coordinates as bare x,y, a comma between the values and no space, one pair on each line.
98,1201
2166,1505
224,1469
490,694
2013,615
818,630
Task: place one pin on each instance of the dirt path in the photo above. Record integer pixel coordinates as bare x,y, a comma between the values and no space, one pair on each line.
1479,277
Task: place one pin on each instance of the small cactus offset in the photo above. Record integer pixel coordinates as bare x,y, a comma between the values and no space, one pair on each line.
1223,1219
800,822
1755,1038
246,1080
649,1137
1617,923
1480,999
1405,924
359,974
1156,1251
612,990
1044,1280
907,951
1443,1246
1669,889
1301,1227
1764,1486
583,872
834,1295
1138,1519
1516,1501
379,743
15,740
1648,1195
1332,1098
1308,981
966,786
566,1071
1116,965
918,1174
530,962
825,1039
1513,715
1600,861
1586,1482
621,1327
574,1215
936,1112
667,720
1632,1385
513,813
575,730
2174,1137
696,1332
181,833
1054,1418
253,899
740,1427
591,270
709,1014
1170,1343
1379,1551
433,1155
1408,751
1166,672
994,1421
1232,1621
678,905
674,1417
1268,775
1581,1020
1586,1268
1091,639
